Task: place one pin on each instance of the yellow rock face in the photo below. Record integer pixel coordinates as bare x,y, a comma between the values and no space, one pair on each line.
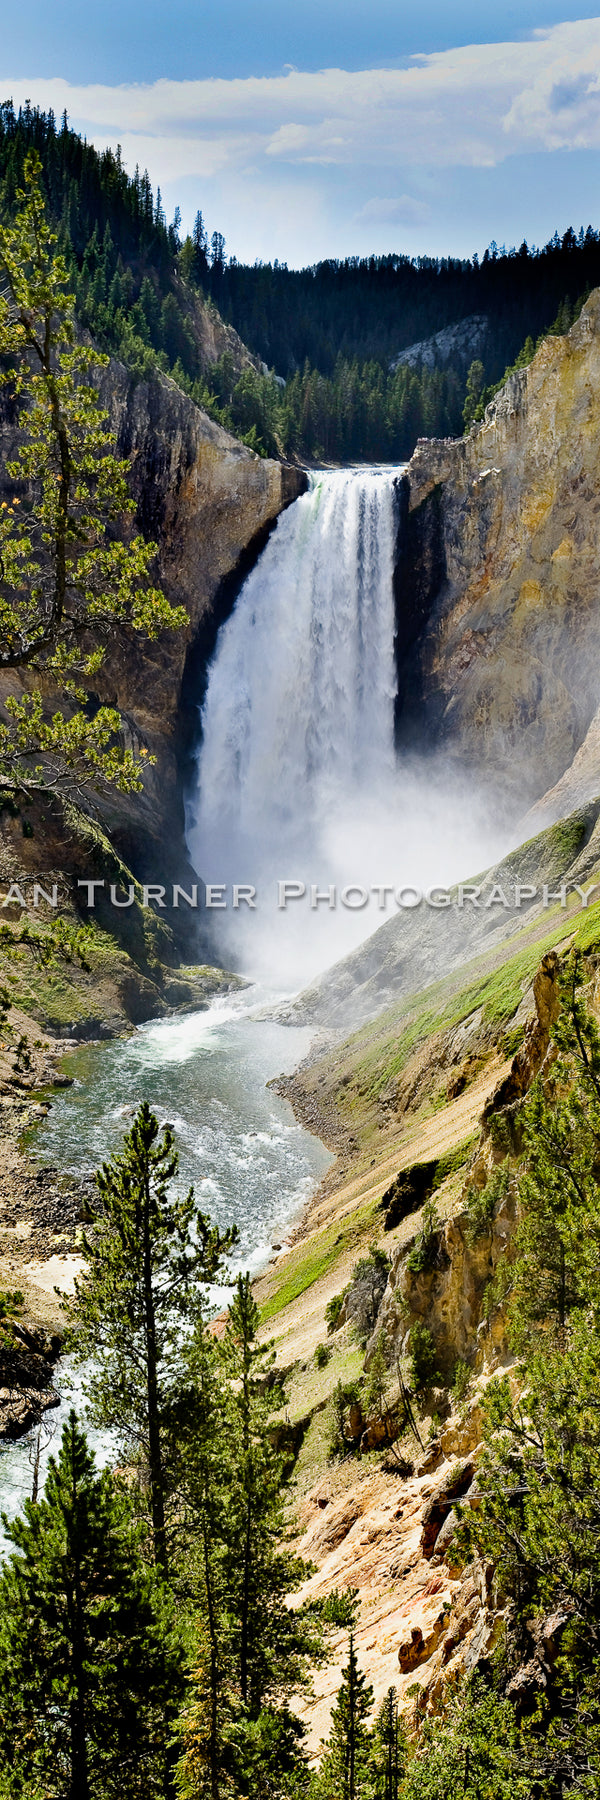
512,634
564,551
530,594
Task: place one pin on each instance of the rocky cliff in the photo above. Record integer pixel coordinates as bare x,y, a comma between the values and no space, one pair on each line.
455,344
210,503
449,1292
497,645
498,617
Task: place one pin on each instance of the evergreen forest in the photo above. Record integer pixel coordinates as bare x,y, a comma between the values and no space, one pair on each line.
304,368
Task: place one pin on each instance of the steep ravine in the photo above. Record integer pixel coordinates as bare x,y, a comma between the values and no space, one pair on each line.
498,624
498,627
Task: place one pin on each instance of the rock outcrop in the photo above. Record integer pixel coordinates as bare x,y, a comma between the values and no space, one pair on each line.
448,1294
210,504
457,344
502,671
27,1359
385,1537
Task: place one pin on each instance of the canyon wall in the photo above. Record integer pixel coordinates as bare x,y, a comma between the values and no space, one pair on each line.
498,614
209,503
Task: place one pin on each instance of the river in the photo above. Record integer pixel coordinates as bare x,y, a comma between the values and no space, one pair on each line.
239,1144
296,771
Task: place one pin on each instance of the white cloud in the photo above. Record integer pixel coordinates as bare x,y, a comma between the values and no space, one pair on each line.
282,161
470,106
405,210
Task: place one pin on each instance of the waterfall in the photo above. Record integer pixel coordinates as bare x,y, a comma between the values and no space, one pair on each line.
298,718
297,776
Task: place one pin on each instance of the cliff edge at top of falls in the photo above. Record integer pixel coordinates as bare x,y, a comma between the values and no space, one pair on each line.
499,580
209,502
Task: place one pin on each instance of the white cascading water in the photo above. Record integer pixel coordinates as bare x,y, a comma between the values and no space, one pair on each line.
298,720
297,776
300,700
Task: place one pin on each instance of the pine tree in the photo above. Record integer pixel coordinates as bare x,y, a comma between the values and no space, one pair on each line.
392,1746
376,1385
347,1768
199,1444
556,1247
539,1518
254,1649
474,390
247,1360
148,1262
174,231
90,1662
200,243
474,1751
217,246
271,1642
66,577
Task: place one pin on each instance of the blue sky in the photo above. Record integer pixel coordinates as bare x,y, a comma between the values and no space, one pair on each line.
333,126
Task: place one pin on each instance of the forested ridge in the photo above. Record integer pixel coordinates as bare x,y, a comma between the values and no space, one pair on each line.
374,307
318,383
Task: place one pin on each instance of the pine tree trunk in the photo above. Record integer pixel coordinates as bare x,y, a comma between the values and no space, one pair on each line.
157,1498
214,1670
245,1628
80,1786
244,1635
352,1715
64,481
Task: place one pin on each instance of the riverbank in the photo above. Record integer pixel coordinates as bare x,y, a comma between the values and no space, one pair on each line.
44,1205
40,1212
40,1222
206,1070
361,1518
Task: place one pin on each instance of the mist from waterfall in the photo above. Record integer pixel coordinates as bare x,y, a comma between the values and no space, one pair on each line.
297,775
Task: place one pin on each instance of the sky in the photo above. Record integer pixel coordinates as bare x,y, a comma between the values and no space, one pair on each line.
333,127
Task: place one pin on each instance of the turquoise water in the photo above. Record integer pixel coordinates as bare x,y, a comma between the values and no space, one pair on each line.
249,1160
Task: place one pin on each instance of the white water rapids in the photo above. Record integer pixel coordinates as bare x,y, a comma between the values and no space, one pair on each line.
239,1144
